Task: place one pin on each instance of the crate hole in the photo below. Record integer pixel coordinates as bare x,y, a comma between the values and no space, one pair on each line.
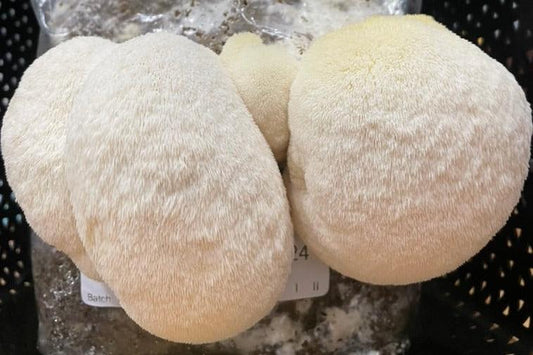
468,276
529,250
6,270
480,41
492,256
483,285
472,291
490,340
509,243
12,291
457,283
527,322
495,15
506,311
512,340
529,55
501,294
488,299
485,266
502,274
510,263
476,314
497,34
27,284
520,304
494,326
518,232
2,281
521,281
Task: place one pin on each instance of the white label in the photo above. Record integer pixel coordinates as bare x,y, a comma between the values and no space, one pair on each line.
96,293
309,278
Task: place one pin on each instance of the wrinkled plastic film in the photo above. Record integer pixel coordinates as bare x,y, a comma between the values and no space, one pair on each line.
210,22
351,318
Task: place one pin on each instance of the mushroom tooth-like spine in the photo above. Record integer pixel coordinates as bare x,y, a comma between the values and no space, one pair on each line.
33,140
263,75
409,149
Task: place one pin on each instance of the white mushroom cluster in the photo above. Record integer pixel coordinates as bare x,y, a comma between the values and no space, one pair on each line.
177,199
153,163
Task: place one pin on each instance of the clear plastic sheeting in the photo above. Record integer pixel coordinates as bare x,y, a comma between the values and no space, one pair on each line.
352,318
209,22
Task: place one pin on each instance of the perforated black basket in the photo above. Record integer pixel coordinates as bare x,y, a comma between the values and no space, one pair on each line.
485,307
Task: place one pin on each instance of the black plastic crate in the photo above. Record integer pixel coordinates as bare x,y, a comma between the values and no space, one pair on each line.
485,307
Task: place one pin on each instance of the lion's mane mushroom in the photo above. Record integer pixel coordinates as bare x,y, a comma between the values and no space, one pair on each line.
179,201
263,75
409,149
33,141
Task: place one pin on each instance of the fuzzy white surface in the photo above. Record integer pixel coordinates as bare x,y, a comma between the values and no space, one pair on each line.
263,76
179,201
409,149
33,141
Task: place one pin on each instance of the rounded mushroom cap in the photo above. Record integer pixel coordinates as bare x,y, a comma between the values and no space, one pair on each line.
263,76
239,41
178,199
409,149
33,141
